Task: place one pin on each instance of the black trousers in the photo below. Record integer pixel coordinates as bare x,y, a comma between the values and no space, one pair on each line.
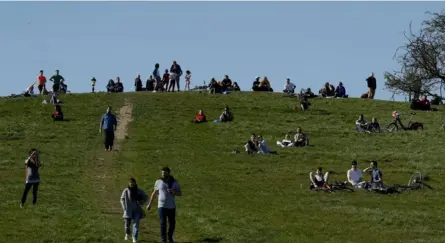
109,136
28,186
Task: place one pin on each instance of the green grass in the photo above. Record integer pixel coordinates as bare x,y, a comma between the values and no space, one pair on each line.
227,197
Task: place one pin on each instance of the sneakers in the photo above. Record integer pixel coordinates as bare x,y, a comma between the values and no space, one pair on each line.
126,237
134,240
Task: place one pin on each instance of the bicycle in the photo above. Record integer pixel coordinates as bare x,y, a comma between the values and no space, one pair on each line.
410,125
336,186
416,182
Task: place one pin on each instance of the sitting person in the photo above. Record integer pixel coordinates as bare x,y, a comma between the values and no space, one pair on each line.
235,87
319,180
262,145
300,139
340,91
289,87
200,117
423,104
150,83
119,87
265,85
226,83
53,99
374,125
376,176
29,91
256,84
57,115
361,124
308,93
287,142
215,87
111,86
251,147
303,100
354,175
226,116
327,91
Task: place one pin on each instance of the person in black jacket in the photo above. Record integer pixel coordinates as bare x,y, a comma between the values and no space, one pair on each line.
138,83
371,84
176,68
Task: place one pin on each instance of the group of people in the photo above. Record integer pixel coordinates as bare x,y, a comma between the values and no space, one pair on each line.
224,86
300,139
363,126
257,145
58,86
114,86
263,85
329,91
320,180
165,83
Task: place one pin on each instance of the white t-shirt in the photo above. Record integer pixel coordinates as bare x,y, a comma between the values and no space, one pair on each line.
354,176
165,199
289,86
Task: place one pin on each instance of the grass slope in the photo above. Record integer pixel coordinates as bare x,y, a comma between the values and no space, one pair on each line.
227,197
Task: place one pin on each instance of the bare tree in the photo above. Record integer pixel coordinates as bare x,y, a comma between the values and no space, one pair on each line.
421,59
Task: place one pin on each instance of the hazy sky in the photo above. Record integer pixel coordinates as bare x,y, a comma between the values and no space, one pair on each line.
310,42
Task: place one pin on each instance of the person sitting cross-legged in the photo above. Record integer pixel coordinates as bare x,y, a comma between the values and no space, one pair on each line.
57,115
354,176
226,116
340,91
376,176
319,180
251,147
361,124
300,139
289,87
200,117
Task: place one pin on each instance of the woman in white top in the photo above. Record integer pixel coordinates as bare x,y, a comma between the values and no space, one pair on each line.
188,76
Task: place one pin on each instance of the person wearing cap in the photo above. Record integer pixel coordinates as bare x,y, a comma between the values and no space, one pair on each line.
376,176
289,87
319,179
166,189
57,79
256,84
354,175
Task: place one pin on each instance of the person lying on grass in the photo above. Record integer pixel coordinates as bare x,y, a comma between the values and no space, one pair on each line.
361,124
57,115
200,117
319,180
226,116
354,176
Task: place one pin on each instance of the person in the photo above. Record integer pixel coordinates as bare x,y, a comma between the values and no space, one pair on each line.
251,147
287,142
354,175
235,87
132,199
226,116
256,84
119,87
111,86
262,145
166,188
319,179
371,85
308,93
172,81
32,164
215,87
166,80
374,125
157,77
303,101
187,78
340,91
200,117
176,68
328,90
93,83
108,124
265,85
376,176
289,87
361,124
57,79
226,83
41,82
300,139
57,115
138,83
150,83
29,91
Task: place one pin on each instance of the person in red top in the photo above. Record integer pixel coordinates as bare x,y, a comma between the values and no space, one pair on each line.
57,115
41,82
200,117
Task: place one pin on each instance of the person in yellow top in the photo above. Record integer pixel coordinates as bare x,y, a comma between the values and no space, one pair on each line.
265,85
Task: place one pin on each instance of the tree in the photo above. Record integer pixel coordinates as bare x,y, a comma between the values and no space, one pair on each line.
421,59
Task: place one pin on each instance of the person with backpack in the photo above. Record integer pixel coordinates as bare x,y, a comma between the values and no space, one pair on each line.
32,164
108,124
166,188
132,199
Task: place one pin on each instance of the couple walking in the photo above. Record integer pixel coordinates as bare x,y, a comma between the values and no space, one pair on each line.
132,199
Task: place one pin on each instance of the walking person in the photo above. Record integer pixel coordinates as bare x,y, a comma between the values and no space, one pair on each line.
371,84
132,199
32,176
166,188
41,82
108,124
176,68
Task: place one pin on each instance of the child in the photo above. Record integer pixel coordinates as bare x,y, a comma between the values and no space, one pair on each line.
188,76
166,79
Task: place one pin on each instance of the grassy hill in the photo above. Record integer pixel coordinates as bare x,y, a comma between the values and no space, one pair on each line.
227,197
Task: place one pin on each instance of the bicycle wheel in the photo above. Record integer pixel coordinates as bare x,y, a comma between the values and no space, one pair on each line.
416,180
392,127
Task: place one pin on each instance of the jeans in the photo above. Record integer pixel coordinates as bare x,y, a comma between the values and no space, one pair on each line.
28,186
135,231
167,214
109,136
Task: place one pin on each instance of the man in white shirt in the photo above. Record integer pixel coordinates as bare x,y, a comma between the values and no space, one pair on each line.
354,175
289,87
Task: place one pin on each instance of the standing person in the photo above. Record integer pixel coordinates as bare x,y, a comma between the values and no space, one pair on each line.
108,124
41,82
371,84
132,199
32,176
56,79
166,188
166,80
187,78
176,68
157,77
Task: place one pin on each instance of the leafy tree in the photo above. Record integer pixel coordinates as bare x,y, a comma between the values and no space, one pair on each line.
421,59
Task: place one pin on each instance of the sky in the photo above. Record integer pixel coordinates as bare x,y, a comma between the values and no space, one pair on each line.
309,42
